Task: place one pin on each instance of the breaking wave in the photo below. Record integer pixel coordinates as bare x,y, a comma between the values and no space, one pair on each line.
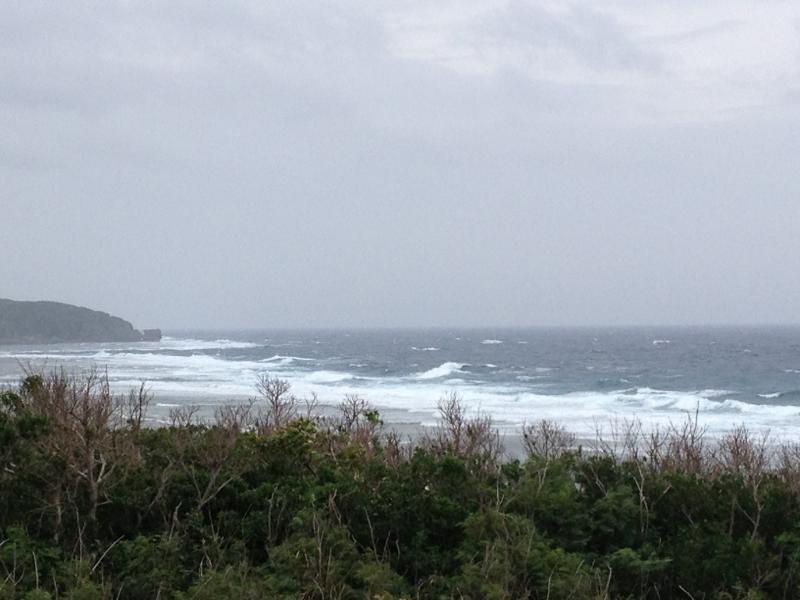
503,382
443,370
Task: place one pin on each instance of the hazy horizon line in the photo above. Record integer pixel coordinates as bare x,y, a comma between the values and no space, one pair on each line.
336,328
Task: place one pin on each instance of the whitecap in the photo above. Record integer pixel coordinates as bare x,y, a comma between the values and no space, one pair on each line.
489,342
442,370
714,393
200,378
285,360
327,376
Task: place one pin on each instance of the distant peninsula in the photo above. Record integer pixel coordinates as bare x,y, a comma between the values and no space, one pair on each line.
55,322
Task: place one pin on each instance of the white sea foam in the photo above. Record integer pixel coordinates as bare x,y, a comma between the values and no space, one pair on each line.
428,349
32,356
714,393
327,377
774,395
198,378
168,343
442,370
491,342
196,363
285,360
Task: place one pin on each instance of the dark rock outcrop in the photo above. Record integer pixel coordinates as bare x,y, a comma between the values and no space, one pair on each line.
151,335
54,322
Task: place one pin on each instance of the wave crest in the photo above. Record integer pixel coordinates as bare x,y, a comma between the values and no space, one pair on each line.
442,370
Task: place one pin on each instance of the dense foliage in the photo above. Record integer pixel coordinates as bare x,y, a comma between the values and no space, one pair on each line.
268,503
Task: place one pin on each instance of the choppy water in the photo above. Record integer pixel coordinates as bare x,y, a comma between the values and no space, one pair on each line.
579,376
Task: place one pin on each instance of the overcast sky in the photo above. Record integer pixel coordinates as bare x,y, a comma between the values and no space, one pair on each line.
282,164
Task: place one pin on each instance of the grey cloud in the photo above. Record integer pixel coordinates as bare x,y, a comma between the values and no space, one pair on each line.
249,164
594,38
721,26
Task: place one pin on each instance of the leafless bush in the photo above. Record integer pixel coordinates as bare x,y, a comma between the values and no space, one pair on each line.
749,456
621,440
67,400
184,416
742,452
235,417
473,438
357,425
359,420
311,406
84,420
679,447
396,449
279,407
547,439
787,464
135,407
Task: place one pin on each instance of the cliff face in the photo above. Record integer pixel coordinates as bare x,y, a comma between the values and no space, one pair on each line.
54,322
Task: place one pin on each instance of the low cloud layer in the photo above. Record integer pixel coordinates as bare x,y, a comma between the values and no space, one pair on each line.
375,164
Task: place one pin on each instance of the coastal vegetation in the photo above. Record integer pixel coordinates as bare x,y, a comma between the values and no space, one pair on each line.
272,500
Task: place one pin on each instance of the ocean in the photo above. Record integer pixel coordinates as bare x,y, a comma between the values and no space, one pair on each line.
583,377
